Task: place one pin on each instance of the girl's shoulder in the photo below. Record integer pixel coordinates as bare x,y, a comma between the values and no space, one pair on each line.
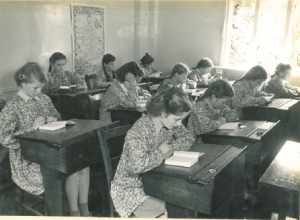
142,125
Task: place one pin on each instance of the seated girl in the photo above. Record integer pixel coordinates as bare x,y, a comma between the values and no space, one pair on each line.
57,76
278,83
201,73
124,91
177,79
248,90
106,74
211,111
28,110
146,65
154,136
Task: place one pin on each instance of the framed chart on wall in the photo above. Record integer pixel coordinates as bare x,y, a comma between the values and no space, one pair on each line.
88,27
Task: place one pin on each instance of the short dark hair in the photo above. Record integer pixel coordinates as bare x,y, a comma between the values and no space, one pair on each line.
131,67
220,88
29,71
147,59
54,57
180,68
107,58
171,101
204,63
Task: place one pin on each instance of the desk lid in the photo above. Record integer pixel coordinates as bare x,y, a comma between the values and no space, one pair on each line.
69,133
216,157
82,92
122,108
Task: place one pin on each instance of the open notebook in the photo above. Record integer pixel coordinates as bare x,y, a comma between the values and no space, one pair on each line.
183,158
66,88
53,126
230,126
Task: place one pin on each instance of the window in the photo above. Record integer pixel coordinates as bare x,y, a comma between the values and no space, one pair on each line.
264,32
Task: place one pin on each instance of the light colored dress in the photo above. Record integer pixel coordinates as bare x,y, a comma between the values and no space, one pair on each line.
280,87
203,119
141,154
245,95
117,95
65,79
101,79
147,71
201,79
169,83
16,118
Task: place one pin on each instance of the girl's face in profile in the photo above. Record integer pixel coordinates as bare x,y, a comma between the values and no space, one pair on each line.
285,74
256,83
219,102
110,66
32,88
180,78
58,66
148,66
171,121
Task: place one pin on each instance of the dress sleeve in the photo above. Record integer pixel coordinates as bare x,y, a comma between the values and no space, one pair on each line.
9,127
46,88
76,80
182,138
241,98
202,124
101,79
140,157
285,88
164,85
52,109
229,114
193,76
129,99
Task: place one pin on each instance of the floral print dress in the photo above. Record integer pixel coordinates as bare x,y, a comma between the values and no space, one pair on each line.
141,154
281,88
16,118
245,95
203,119
65,79
118,95
101,79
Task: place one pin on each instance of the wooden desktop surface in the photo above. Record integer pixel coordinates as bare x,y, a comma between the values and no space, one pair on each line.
279,186
61,153
213,186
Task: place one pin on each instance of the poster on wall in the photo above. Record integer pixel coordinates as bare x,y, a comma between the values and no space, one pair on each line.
88,38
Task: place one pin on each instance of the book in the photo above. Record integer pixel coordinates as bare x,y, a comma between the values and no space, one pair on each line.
230,126
53,126
183,158
66,88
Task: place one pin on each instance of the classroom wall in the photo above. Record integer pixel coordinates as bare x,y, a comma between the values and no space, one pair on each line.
32,31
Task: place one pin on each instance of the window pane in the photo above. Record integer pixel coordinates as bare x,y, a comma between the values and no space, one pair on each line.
270,35
294,41
241,32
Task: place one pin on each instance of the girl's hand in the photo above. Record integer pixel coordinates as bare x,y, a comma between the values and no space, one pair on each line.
165,148
131,79
221,120
50,119
261,100
38,122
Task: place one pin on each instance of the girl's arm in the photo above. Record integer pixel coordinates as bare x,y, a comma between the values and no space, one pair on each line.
193,76
76,80
129,99
182,138
229,114
140,156
285,88
101,79
202,124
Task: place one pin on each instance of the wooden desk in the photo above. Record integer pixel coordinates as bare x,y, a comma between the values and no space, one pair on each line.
285,110
154,80
264,140
213,186
61,153
75,104
126,115
279,186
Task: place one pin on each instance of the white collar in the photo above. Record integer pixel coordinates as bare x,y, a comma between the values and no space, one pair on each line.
25,97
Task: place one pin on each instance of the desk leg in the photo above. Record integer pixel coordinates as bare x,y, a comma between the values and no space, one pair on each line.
53,185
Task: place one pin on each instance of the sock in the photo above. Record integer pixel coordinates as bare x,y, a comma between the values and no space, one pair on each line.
84,209
74,213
